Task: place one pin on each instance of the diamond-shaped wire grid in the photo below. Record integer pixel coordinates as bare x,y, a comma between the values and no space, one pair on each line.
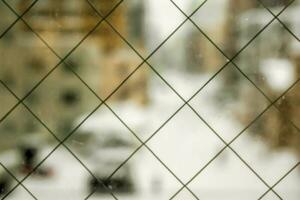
186,102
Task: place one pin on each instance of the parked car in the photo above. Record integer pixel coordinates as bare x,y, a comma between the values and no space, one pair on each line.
5,182
108,145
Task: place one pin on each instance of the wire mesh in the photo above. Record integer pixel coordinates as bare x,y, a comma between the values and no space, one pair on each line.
185,102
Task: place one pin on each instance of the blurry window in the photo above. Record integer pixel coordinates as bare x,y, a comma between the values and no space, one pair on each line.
36,65
70,97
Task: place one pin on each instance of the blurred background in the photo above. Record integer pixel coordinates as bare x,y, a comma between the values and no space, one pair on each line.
63,59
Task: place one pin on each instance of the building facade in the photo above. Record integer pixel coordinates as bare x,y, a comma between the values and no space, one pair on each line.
102,61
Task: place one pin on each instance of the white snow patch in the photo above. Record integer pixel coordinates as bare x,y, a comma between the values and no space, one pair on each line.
279,73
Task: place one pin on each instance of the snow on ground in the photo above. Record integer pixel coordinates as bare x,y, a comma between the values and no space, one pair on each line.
185,145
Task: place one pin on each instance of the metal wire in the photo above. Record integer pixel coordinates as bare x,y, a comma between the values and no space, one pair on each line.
16,179
145,61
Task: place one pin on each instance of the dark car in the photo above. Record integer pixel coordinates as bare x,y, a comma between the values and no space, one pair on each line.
5,182
121,183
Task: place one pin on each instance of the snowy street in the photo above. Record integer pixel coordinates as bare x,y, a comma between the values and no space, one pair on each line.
185,148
